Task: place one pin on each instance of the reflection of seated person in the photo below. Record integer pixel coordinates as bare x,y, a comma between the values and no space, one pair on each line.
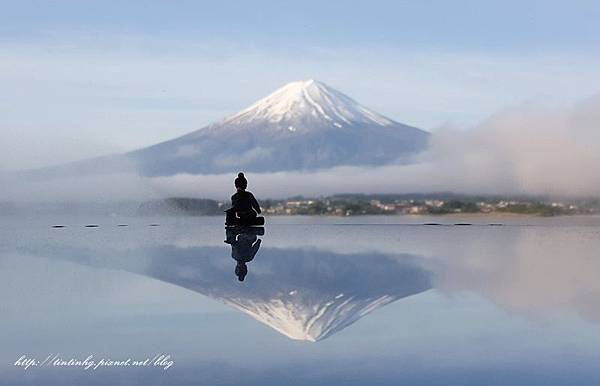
243,202
244,246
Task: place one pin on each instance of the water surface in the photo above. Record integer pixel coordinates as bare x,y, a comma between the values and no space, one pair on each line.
366,300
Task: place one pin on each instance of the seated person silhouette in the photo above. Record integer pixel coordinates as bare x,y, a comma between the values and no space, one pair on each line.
244,207
244,246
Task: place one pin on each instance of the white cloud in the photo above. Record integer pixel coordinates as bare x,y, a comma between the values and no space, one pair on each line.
522,150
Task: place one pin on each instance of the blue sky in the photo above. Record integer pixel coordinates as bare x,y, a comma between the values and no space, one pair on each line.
87,78
482,25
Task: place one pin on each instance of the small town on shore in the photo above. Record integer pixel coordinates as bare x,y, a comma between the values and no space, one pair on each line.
384,204
351,205
335,205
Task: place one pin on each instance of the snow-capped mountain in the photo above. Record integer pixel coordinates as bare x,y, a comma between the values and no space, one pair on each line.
303,125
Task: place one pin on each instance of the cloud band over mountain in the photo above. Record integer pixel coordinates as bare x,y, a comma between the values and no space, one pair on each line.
528,149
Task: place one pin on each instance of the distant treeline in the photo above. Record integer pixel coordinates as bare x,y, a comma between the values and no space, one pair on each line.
181,206
174,206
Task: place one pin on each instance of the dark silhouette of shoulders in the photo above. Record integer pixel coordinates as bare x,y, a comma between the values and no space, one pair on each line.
244,201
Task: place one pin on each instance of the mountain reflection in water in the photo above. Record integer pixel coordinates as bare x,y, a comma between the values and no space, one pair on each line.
517,304
303,293
310,282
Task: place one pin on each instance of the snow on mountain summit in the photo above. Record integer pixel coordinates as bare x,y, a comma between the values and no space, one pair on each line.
308,102
303,125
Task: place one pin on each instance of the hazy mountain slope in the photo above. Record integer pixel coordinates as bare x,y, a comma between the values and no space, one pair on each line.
303,125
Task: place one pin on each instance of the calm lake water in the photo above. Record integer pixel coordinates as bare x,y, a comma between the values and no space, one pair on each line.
324,301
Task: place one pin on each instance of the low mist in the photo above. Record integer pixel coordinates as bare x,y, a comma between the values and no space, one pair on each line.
524,150
529,149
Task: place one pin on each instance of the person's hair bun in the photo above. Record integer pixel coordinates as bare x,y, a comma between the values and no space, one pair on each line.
241,175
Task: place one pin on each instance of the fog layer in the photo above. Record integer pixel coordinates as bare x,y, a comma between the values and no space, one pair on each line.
527,149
